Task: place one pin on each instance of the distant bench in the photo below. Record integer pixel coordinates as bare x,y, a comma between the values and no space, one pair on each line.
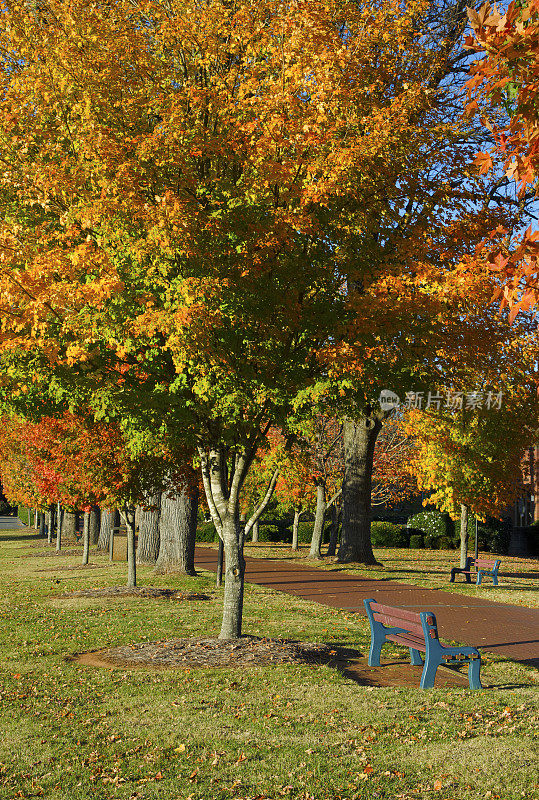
478,567
419,633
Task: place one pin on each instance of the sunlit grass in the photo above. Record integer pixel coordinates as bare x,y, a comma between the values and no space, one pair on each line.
297,731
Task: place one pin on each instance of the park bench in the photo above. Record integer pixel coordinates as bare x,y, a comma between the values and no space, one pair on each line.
419,633
478,567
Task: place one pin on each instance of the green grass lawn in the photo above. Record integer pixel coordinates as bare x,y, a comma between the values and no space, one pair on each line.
307,732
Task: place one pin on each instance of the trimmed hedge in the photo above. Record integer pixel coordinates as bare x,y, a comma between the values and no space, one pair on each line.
206,532
388,534
416,541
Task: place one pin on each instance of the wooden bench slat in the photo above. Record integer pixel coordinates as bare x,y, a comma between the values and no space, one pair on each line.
407,641
400,613
394,621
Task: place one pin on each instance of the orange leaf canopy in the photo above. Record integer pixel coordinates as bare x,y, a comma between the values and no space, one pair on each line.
189,191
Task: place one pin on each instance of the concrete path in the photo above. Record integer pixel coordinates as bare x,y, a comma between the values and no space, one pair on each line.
511,631
10,522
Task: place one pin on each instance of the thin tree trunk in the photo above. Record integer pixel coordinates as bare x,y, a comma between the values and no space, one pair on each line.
59,513
359,440
50,523
332,549
234,579
256,530
177,531
148,533
86,538
463,535
222,486
95,521
318,529
129,519
69,522
220,562
295,527
109,520
36,519
42,523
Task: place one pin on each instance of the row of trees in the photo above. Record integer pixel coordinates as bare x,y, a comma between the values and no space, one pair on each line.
218,219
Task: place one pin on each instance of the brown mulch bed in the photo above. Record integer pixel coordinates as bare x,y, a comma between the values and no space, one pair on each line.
252,651
139,591
204,652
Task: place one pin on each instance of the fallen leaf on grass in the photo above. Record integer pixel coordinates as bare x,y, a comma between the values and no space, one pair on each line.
180,749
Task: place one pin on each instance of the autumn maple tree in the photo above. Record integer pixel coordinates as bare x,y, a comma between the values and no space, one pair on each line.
74,461
503,92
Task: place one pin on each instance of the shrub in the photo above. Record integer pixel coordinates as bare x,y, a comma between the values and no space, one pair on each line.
206,532
387,534
444,543
269,532
416,541
432,524
493,537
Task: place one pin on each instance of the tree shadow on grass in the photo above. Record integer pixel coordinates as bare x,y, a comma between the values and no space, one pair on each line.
21,537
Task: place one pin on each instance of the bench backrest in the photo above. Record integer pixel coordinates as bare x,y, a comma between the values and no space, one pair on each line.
422,624
481,563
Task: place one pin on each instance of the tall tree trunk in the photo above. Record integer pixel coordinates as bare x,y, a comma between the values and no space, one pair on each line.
234,579
50,523
222,484
332,549
42,523
220,563
69,523
36,519
318,529
128,516
59,514
463,535
256,531
86,538
295,527
109,520
177,531
95,522
359,441
148,533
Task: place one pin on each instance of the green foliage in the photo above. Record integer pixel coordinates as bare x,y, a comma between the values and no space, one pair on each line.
431,524
388,534
445,543
416,541
270,532
206,532
493,536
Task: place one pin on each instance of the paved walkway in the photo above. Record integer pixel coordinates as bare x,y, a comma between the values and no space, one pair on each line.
511,631
10,522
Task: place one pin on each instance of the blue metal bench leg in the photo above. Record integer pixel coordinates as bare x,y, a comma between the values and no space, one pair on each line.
377,641
415,657
479,578
473,674
494,580
429,673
